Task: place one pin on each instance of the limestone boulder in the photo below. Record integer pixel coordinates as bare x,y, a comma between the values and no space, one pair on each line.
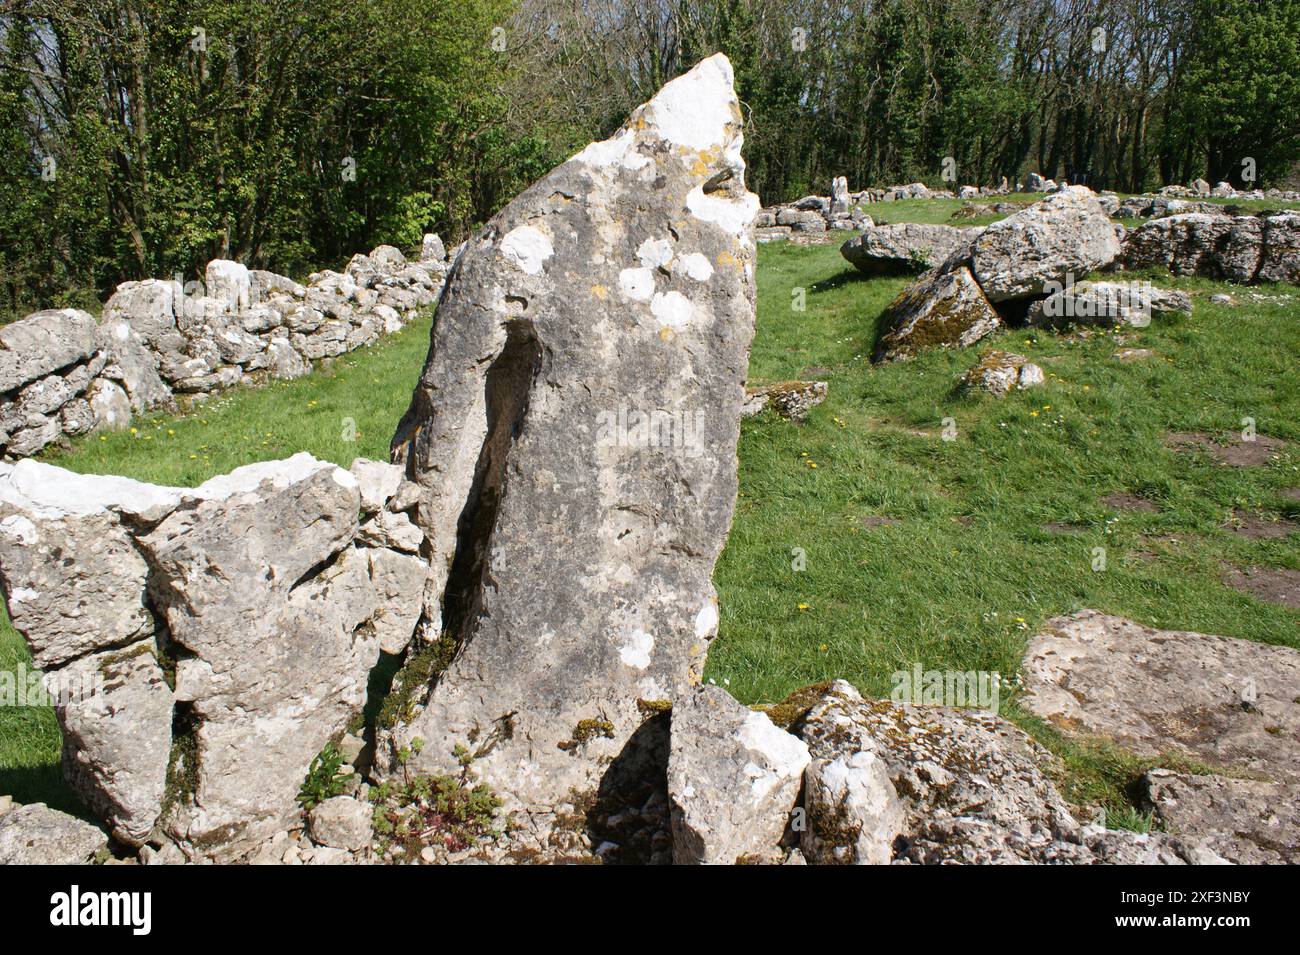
905,248
1108,303
1066,234
999,372
1221,701
117,737
945,307
148,307
74,581
1280,261
44,342
571,555
733,779
38,835
229,284
972,788
1216,246
341,822
1246,821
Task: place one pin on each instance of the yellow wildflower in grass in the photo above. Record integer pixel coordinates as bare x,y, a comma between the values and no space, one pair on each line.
803,606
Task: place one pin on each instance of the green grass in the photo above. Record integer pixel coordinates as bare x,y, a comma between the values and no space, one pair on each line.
966,575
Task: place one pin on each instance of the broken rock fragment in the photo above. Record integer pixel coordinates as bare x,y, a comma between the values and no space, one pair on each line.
733,778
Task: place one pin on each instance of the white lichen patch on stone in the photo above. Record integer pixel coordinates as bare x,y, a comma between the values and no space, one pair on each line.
637,284
695,110
527,247
673,310
695,265
636,652
655,253
706,621
733,215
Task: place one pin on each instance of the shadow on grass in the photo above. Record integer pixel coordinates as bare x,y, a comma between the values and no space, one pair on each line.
29,784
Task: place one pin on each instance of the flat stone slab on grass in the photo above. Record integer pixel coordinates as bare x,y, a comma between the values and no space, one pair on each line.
1279,585
1221,701
1246,821
1236,453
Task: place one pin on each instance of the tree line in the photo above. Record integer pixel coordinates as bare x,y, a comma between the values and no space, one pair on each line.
145,137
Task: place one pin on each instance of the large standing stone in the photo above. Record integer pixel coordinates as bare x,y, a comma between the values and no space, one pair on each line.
574,431
1068,233
1224,702
733,778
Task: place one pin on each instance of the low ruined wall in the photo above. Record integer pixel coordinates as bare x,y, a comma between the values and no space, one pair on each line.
64,373
202,645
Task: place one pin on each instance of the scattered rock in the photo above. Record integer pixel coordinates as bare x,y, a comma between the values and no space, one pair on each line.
999,372
1224,702
971,788
341,822
790,399
37,835
733,778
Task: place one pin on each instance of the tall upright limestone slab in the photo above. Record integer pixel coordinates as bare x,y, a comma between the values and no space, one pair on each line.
574,433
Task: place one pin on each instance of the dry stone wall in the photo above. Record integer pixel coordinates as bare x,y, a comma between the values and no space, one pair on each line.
62,372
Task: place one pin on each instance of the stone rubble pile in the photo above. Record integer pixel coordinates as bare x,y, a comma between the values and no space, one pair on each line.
215,638
62,372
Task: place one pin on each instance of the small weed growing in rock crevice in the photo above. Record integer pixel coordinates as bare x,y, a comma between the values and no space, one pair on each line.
324,780
443,811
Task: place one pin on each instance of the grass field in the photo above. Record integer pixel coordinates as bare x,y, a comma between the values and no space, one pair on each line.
916,549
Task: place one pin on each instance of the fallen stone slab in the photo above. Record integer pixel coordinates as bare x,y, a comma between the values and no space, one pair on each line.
1226,703
905,248
733,779
574,434
1066,234
38,835
942,308
1246,821
1108,303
